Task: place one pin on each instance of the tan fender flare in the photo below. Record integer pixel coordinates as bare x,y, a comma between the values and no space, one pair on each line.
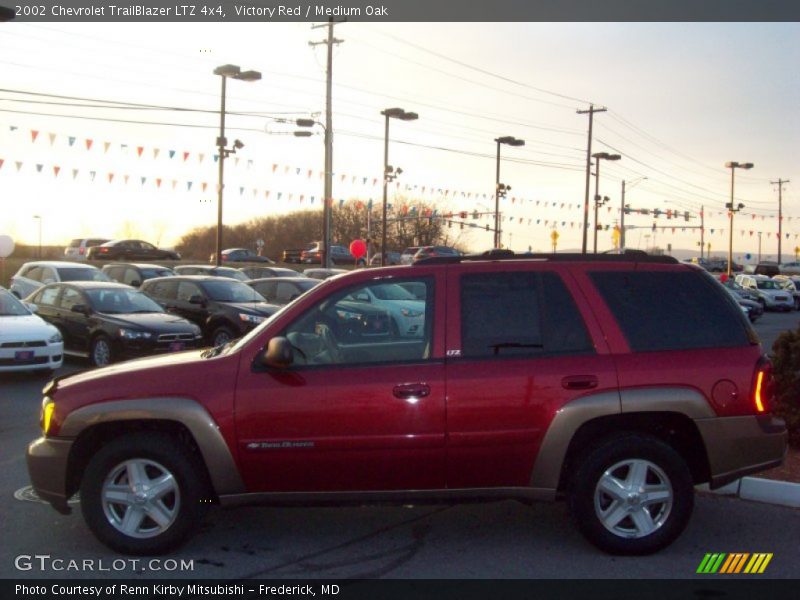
217,456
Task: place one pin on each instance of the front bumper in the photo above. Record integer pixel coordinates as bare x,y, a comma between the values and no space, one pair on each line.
47,467
739,446
49,357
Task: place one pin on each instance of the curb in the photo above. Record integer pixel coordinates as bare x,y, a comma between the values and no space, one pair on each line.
769,491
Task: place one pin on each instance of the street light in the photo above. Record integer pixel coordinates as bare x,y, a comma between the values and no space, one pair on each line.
732,165
234,72
39,218
389,173
597,201
500,189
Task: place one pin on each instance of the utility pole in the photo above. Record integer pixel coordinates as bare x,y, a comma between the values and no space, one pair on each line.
590,112
622,219
779,183
327,204
702,229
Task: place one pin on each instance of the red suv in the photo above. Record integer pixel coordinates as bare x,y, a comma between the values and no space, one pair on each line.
614,382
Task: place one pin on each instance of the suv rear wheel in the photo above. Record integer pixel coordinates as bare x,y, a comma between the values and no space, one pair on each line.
632,495
141,494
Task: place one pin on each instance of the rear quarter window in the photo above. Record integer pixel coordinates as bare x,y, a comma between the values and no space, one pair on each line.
670,310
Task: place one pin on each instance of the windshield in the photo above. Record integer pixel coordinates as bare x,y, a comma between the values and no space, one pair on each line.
122,301
392,291
81,274
231,291
151,273
768,285
10,306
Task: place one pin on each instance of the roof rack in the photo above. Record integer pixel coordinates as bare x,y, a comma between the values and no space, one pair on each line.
500,254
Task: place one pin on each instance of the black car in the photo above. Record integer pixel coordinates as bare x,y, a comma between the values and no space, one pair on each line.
130,250
262,272
134,274
107,322
240,255
228,272
282,290
223,308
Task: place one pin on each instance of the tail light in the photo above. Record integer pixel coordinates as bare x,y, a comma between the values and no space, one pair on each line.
763,386
104,250
81,250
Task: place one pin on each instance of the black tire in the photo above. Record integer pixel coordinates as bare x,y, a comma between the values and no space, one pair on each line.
222,335
101,352
155,453
641,527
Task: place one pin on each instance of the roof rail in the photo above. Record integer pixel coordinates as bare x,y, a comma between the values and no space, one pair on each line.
499,254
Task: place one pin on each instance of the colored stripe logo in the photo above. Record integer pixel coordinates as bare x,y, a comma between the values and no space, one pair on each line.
734,563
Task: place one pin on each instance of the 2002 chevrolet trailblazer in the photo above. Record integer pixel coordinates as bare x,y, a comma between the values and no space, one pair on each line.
614,382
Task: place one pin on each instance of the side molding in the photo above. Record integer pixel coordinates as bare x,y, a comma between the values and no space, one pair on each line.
217,456
683,400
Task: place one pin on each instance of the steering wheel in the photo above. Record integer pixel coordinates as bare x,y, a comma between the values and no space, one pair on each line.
330,343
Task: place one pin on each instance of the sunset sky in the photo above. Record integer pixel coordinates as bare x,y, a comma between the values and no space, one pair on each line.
682,99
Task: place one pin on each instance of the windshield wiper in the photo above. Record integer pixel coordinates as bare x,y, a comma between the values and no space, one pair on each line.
497,347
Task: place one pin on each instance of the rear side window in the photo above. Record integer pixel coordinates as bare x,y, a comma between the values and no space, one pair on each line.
668,310
519,313
163,290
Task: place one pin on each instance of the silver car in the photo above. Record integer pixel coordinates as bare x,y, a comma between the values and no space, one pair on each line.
770,293
33,275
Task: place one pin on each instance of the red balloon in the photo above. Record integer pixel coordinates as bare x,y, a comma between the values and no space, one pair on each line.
358,248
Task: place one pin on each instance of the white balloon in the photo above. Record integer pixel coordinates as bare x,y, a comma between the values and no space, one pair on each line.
6,246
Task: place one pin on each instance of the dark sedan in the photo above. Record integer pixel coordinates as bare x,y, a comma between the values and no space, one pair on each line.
224,308
240,255
130,250
107,322
282,290
134,274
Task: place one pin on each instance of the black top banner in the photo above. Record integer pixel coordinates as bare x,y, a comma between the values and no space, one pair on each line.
400,10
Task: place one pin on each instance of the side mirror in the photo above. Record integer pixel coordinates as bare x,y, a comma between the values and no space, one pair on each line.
279,354
197,299
80,308
135,283
31,306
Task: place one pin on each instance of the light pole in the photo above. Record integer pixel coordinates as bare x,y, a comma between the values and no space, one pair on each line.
224,72
39,219
388,172
732,165
597,156
622,213
327,192
500,189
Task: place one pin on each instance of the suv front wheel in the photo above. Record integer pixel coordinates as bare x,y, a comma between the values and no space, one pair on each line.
142,493
632,495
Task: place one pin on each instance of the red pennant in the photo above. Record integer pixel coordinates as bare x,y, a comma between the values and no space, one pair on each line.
205,185
55,171
34,135
89,144
158,182
1,163
139,150
185,156
110,177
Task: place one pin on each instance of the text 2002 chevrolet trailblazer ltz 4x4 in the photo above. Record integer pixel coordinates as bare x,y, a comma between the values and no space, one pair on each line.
614,382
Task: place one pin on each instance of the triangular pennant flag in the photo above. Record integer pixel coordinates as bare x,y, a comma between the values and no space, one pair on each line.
1,163
279,195
249,164
12,127
205,185
241,191
172,154
139,150
174,183
185,156
155,152
110,177
89,144
106,146
216,157
39,167
52,137
34,135
74,173
56,170
201,157
266,193
142,180
274,166
92,174
72,139
158,182
188,186
255,191
125,178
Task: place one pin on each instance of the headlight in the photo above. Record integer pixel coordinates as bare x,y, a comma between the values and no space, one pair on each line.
48,406
134,334
407,312
251,318
55,338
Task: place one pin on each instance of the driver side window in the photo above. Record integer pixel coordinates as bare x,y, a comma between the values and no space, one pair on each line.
394,326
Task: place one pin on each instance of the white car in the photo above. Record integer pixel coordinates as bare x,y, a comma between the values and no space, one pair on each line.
33,275
27,343
770,293
790,268
78,249
407,312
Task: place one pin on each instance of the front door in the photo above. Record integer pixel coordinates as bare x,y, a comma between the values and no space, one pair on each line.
361,408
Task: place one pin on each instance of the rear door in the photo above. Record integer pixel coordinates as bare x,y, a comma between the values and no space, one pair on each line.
521,343
361,408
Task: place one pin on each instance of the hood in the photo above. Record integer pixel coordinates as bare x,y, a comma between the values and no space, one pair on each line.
255,308
155,322
773,293
25,328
